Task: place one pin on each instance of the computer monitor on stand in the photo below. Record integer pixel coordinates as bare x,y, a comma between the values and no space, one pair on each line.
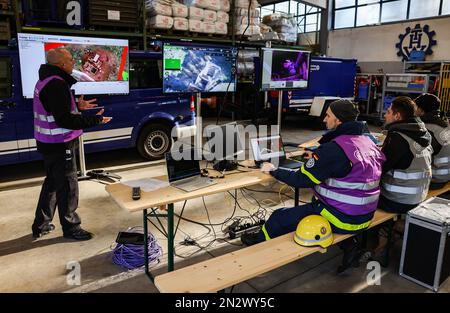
225,145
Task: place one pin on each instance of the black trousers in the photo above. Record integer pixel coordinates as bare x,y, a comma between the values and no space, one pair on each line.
60,189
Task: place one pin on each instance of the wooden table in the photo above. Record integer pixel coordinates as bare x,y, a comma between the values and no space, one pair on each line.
163,200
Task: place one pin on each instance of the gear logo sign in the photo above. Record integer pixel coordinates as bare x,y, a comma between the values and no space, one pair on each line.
416,39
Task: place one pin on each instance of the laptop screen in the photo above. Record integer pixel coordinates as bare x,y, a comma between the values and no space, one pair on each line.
180,169
266,148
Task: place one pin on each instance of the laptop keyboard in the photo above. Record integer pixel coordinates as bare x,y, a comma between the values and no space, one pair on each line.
196,183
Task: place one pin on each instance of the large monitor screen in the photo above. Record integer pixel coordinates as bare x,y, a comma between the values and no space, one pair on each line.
284,69
101,65
198,68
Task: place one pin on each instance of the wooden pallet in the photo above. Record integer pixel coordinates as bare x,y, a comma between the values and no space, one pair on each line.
184,33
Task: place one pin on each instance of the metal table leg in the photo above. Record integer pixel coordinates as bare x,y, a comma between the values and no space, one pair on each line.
147,271
170,238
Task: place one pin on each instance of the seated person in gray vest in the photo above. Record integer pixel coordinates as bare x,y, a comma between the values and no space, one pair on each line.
428,110
407,170
344,173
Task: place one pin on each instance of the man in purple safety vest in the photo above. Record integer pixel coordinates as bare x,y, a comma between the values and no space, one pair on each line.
344,173
57,126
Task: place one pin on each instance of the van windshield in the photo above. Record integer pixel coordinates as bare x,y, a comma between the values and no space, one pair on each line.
145,73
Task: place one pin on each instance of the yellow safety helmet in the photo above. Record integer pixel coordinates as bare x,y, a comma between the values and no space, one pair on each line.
314,230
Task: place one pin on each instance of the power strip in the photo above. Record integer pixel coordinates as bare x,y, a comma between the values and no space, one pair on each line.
238,230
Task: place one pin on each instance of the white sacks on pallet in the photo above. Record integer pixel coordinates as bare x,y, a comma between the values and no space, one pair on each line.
246,4
160,21
225,5
223,17
180,23
204,4
221,28
209,27
195,26
179,10
209,16
284,24
243,20
246,30
155,8
244,12
165,2
196,13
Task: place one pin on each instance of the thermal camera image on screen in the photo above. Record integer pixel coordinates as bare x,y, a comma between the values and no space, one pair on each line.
198,69
289,66
95,63
283,68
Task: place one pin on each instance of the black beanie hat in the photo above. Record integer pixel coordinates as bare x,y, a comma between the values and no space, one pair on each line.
428,102
344,110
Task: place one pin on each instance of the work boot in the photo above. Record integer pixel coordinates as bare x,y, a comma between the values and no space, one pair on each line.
79,234
45,230
352,253
250,239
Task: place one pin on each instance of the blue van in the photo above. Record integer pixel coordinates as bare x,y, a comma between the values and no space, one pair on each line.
143,119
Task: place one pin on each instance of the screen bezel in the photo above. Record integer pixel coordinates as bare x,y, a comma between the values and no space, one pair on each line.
255,139
191,44
261,69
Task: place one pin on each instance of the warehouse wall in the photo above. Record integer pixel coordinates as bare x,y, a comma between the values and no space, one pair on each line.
374,46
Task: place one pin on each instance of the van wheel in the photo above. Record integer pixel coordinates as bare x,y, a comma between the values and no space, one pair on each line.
154,141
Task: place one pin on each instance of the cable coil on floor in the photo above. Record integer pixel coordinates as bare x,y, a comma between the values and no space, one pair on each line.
131,256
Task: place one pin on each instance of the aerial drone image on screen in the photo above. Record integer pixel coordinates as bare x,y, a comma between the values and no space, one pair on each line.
95,63
199,70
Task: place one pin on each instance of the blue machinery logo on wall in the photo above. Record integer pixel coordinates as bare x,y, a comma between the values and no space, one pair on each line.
416,39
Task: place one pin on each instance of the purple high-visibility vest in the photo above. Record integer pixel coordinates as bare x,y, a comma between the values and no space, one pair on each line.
45,128
358,192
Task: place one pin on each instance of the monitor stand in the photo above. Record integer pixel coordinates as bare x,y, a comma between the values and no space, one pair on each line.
225,165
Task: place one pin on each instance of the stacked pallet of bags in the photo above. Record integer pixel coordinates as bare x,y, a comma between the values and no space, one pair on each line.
208,16
247,23
167,14
284,25
159,13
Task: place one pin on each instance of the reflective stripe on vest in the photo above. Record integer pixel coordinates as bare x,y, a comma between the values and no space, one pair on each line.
345,226
264,230
407,176
444,171
345,198
405,190
346,185
444,160
44,118
55,131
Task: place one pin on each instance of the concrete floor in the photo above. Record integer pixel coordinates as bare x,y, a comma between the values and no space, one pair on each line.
41,265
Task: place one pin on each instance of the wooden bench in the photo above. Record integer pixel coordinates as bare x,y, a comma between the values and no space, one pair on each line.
232,268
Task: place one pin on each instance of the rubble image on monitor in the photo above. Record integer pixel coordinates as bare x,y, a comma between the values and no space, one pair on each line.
289,66
94,63
197,71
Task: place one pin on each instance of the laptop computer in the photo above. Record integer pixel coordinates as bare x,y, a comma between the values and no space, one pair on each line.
271,149
185,174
